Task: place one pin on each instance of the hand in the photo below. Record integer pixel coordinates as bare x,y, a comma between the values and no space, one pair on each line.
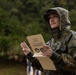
25,48
47,51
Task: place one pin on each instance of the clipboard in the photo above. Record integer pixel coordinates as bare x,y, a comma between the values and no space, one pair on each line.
36,42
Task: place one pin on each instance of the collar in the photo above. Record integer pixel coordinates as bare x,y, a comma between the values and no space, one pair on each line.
60,35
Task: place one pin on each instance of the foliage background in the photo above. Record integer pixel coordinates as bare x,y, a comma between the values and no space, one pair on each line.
20,18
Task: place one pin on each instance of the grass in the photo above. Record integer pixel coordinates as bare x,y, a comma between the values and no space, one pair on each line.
12,68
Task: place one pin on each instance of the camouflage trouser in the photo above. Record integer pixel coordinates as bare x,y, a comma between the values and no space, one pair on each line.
58,73
51,73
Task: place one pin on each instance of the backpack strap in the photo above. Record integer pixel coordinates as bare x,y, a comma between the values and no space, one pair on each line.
67,42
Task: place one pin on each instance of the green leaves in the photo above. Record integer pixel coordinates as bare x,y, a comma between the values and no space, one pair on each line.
19,18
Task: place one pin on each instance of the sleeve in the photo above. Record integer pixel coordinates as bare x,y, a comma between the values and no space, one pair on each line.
68,60
34,61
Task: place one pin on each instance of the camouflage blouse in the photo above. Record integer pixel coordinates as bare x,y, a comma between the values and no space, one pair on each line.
64,47
64,55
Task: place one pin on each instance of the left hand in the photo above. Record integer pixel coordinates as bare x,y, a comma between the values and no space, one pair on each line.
47,51
25,48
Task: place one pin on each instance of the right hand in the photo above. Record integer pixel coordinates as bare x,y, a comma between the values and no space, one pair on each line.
47,51
25,48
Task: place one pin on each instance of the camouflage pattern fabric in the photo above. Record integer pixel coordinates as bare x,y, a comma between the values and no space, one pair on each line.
63,43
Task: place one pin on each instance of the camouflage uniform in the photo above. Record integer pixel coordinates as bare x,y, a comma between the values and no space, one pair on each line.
63,43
